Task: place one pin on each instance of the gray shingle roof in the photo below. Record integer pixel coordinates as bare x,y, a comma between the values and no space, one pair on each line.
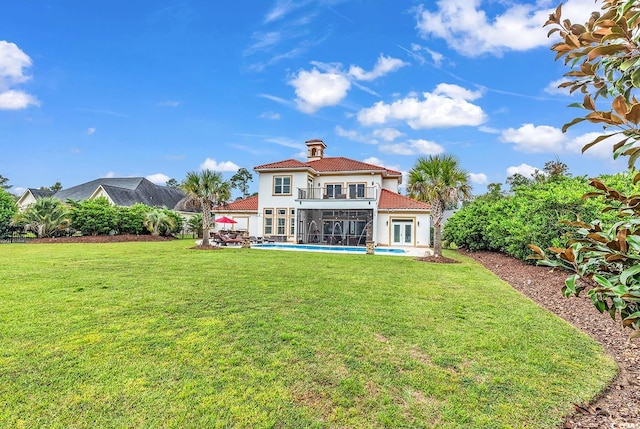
40,193
125,191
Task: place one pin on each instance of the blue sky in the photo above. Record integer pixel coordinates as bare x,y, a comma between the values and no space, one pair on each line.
157,89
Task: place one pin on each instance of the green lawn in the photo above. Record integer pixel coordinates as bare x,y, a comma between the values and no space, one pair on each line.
156,335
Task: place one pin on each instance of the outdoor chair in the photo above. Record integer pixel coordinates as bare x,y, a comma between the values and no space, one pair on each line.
226,240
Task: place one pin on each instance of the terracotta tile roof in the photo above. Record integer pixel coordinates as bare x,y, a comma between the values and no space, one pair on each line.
287,163
245,205
346,164
393,201
330,164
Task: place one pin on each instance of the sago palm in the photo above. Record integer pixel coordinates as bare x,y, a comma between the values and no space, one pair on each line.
206,189
45,217
438,180
157,221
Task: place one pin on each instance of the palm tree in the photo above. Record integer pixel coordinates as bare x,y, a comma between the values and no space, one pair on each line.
206,189
46,216
439,181
158,221
195,224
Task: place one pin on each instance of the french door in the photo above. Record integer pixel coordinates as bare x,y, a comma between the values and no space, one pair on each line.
402,232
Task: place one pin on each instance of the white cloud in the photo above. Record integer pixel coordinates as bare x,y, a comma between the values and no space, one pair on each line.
531,138
264,40
158,178
212,164
327,84
436,57
110,174
553,89
270,115
17,190
457,92
387,134
488,130
354,135
413,147
603,149
378,162
383,66
316,89
479,178
91,131
13,61
276,99
16,100
374,161
286,142
282,9
447,106
524,169
468,29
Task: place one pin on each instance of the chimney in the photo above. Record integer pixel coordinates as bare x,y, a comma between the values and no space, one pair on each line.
315,149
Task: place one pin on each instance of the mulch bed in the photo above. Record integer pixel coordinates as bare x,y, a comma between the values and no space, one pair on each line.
618,407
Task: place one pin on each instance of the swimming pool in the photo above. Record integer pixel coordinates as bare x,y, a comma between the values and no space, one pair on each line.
327,248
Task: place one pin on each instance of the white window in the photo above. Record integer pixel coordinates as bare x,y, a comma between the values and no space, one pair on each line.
356,190
282,185
334,190
268,221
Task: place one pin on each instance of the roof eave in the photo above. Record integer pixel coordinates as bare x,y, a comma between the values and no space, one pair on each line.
404,209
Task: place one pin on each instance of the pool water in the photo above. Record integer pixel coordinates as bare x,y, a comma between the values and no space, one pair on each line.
327,248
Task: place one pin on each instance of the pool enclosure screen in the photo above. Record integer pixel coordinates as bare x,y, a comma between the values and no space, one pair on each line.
346,227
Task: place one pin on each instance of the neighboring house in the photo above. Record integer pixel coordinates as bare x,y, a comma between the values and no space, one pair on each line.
30,195
125,191
330,200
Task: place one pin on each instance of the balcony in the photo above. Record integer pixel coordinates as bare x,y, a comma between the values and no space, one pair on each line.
359,194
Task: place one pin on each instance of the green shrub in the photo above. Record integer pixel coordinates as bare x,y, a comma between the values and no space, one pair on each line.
99,217
177,224
8,209
604,259
533,214
94,217
131,219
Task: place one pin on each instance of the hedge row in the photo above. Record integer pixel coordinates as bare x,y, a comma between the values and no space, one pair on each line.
533,214
98,217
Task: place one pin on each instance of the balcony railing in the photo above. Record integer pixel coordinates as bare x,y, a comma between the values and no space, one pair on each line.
367,193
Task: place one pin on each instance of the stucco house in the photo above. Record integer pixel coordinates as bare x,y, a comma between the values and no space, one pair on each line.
330,200
121,191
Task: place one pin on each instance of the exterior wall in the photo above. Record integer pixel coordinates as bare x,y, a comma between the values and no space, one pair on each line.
246,222
269,201
421,225
100,192
369,180
26,200
391,184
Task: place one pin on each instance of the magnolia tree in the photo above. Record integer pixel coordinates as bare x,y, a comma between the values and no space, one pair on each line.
604,57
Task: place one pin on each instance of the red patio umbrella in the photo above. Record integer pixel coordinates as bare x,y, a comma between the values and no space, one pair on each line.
226,220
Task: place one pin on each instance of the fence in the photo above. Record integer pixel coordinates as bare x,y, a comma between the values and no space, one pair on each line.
16,237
